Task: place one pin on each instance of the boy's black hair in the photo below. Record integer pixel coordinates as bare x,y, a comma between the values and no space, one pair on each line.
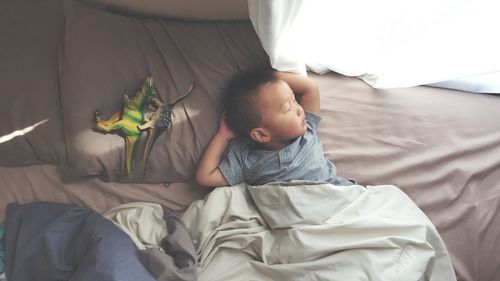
242,112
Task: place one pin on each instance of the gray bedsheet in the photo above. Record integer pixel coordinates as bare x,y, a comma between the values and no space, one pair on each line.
55,241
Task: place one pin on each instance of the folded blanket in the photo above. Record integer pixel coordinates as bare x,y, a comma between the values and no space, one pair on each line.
53,241
315,231
2,254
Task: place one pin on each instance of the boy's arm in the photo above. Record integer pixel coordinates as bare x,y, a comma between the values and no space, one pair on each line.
208,173
305,88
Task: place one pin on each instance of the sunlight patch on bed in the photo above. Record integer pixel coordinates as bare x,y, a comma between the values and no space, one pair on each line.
97,143
21,132
184,114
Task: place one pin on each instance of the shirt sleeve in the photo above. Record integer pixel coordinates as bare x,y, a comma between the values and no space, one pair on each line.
231,165
312,121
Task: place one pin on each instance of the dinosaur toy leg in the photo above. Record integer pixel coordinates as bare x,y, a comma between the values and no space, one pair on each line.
130,148
109,125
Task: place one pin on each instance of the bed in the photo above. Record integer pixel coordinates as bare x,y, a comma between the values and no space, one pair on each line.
62,60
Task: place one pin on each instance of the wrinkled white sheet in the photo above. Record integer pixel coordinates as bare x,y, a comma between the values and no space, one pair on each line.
373,39
315,231
142,221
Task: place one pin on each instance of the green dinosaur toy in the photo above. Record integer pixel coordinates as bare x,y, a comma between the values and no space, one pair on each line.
127,121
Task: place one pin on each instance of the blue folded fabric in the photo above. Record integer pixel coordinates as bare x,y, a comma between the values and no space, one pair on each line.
47,241
2,253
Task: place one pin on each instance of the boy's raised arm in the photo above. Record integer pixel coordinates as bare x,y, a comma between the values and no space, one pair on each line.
305,88
208,173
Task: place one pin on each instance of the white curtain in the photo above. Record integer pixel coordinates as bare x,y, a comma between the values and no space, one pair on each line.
387,43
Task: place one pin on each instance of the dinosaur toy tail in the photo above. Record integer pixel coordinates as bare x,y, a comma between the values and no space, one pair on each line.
184,95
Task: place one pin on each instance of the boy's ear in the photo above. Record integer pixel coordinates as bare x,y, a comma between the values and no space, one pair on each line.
260,135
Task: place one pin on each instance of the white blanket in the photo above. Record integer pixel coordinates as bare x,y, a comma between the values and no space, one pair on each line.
315,231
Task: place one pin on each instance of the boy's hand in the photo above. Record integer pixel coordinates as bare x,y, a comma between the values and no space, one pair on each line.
305,88
208,173
224,130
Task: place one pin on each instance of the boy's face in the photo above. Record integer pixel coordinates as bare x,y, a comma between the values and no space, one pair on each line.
282,116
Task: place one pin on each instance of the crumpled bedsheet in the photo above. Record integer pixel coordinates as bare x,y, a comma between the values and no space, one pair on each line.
54,241
164,245
315,231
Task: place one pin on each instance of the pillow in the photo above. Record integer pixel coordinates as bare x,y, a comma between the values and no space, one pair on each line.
105,54
30,126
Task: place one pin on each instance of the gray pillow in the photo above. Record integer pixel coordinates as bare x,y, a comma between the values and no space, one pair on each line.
106,53
30,119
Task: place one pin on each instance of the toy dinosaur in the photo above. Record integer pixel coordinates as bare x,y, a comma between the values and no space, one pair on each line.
126,122
160,120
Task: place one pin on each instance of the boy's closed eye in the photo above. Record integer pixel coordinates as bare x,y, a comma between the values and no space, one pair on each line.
288,107
290,101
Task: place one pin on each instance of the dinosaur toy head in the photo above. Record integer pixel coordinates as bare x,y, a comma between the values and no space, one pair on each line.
143,96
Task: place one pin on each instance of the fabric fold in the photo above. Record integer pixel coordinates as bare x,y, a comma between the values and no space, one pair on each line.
374,233
55,241
165,246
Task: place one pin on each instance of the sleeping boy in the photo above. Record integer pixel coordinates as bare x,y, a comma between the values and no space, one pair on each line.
268,133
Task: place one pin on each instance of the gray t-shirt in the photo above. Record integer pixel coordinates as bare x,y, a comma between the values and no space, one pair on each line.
303,159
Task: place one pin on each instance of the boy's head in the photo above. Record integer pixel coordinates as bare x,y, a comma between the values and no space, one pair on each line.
261,106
